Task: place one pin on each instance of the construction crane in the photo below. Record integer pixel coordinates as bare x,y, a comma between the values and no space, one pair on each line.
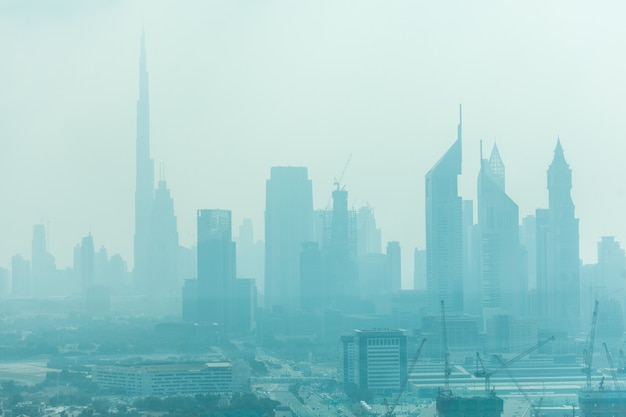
622,359
446,370
390,409
611,367
337,181
484,373
588,352
536,409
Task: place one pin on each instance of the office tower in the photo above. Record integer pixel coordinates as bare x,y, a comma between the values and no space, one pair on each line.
163,249
503,284
87,265
340,267
380,359
311,298
20,276
216,267
472,285
611,268
444,231
144,185
419,269
394,267
373,276
243,308
558,262
288,223
117,274
528,240
368,235
250,255
43,267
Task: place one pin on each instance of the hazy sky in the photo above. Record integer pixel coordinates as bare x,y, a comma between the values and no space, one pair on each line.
239,86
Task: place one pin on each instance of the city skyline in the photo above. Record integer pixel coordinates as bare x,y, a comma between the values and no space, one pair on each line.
84,143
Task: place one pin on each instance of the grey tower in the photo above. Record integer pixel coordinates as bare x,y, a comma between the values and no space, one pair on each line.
163,245
216,267
503,283
288,224
144,185
444,231
558,262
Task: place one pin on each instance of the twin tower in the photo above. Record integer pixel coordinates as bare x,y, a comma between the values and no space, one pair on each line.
484,268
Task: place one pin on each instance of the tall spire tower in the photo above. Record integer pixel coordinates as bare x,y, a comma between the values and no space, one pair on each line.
144,186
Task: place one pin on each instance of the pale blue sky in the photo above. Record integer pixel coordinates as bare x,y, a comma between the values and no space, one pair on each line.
239,86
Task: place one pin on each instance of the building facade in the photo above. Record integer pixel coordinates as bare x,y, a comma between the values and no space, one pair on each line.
144,180
375,360
444,232
288,223
558,260
162,380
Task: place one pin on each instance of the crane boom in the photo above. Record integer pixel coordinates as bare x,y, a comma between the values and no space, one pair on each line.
588,353
611,367
487,374
537,409
389,412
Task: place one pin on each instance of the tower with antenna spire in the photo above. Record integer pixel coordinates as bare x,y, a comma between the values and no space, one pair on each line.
144,180
558,260
444,230
503,284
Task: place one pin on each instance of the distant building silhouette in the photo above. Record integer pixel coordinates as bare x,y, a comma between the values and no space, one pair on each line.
20,277
250,255
163,253
558,261
311,267
503,283
340,266
444,232
216,268
43,267
87,265
288,223
144,185
367,234
472,283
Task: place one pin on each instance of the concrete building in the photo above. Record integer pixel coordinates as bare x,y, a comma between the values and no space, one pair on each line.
162,380
375,360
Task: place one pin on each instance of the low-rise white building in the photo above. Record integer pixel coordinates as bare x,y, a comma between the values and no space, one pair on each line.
166,379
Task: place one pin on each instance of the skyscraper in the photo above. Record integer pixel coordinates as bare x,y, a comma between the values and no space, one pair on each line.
216,267
503,284
288,224
368,235
558,261
43,266
144,185
20,275
87,265
163,253
444,231
341,270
